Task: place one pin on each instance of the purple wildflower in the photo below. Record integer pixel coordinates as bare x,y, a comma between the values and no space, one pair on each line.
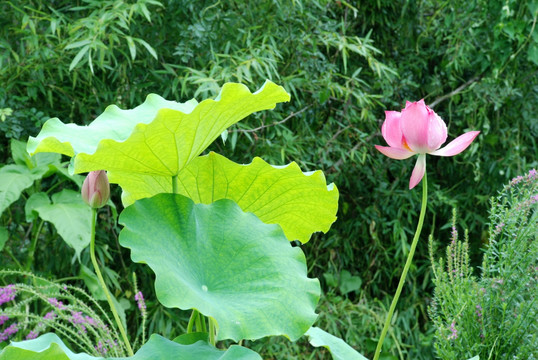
532,173
478,311
78,319
50,315
139,297
454,235
516,180
453,331
499,228
3,319
90,321
7,293
12,329
32,335
101,348
57,304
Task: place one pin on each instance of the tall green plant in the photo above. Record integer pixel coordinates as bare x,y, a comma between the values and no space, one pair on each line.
493,314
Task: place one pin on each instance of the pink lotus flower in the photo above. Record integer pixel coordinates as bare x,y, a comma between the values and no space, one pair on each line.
419,130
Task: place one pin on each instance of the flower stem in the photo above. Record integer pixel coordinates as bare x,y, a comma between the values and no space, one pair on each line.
192,320
212,332
406,268
33,245
103,285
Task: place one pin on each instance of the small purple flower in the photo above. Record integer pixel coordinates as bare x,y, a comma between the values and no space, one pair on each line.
453,331
32,335
3,319
50,315
516,180
139,297
12,329
532,173
101,348
454,235
478,311
57,304
78,319
90,321
7,293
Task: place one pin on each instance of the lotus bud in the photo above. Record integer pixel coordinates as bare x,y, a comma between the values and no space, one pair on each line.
96,189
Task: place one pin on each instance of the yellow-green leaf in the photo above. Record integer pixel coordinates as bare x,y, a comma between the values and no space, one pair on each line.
301,203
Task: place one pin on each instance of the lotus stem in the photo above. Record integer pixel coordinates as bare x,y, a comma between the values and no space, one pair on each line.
103,284
406,268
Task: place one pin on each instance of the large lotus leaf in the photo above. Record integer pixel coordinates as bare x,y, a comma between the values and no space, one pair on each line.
46,347
159,348
114,123
51,347
161,141
338,348
301,203
225,263
14,179
71,216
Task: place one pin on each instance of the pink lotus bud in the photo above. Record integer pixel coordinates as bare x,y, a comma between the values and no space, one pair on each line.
96,189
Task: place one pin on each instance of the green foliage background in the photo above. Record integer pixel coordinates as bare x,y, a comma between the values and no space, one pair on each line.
344,63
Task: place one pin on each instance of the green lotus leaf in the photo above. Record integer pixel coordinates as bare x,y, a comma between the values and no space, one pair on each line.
158,137
338,348
46,347
301,203
225,263
114,123
50,347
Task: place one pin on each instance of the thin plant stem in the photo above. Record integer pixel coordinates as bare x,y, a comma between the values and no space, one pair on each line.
406,268
199,319
192,319
212,333
33,245
204,327
103,284
13,258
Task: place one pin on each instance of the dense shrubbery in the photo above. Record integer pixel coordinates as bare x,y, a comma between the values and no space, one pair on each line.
471,315
343,64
